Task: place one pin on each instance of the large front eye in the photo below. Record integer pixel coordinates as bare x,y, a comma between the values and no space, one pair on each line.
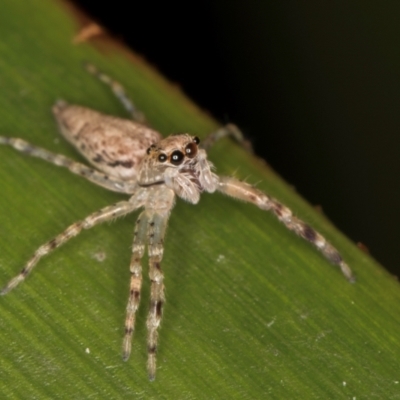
177,157
191,150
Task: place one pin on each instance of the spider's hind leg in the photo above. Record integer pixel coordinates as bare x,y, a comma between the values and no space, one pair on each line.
227,130
119,93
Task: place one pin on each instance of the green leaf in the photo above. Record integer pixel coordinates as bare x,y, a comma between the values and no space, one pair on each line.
252,310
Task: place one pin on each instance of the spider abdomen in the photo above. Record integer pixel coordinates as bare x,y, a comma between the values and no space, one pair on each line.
113,145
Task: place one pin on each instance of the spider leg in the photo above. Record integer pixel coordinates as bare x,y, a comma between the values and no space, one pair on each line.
227,130
105,214
139,242
157,227
246,192
99,178
154,225
150,228
119,93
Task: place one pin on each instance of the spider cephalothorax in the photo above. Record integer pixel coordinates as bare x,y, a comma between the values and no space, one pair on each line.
173,153
181,165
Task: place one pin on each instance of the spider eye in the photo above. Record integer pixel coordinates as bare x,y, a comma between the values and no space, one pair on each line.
150,148
191,150
196,140
177,157
162,157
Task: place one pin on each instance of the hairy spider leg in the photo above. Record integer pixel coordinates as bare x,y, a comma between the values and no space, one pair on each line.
91,174
230,130
119,93
139,243
157,227
243,191
150,227
105,214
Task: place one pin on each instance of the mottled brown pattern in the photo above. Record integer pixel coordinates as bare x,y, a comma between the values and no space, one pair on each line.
309,233
125,141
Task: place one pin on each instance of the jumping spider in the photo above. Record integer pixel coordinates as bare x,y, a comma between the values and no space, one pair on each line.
133,159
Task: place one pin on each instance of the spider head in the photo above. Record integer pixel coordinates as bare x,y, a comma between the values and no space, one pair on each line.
179,163
174,150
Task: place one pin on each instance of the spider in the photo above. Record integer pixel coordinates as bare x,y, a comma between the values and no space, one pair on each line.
131,158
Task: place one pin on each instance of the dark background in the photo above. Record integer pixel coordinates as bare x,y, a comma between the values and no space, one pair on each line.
314,85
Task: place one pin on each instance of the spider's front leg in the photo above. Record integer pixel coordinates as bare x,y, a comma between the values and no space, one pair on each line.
138,247
150,227
246,192
157,227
